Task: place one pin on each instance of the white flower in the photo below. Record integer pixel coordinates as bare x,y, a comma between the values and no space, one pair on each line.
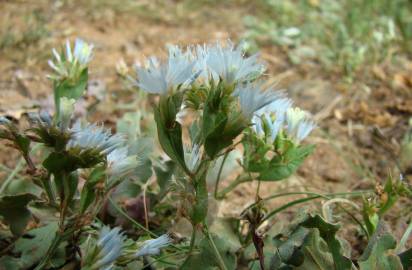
94,137
83,52
253,98
274,116
159,78
109,245
120,165
71,64
153,246
305,127
298,124
230,63
294,117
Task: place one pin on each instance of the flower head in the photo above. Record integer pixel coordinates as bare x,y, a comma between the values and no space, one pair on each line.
252,98
71,64
120,165
94,137
273,116
157,78
231,65
108,248
298,124
153,246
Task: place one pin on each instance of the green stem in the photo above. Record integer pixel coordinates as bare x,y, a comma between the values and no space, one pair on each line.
287,205
64,200
134,222
192,241
192,245
219,258
219,174
124,214
326,196
315,196
49,189
404,238
11,176
160,259
55,244
239,180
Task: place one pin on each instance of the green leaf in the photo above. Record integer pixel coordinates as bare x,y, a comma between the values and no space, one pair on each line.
70,89
14,210
57,163
23,143
282,167
31,248
227,227
382,256
288,251
328,233
205,258
199,210
20,186
316,255
170,139
406,259
88,195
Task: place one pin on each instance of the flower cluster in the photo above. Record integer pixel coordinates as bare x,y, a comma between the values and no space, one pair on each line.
95,138
268,110
279,115
153,246
227,63
120,165
70,64
106,251
157,78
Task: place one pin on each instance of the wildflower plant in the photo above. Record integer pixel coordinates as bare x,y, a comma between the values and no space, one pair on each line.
212,101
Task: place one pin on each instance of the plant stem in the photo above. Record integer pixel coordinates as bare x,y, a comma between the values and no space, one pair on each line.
55,244
220,261
257,191
124,214
404,238
239,180
287,205
12,175
192,245
219,174
192,241
326,196
49,189
134,222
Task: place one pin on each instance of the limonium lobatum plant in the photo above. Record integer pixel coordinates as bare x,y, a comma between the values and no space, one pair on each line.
212,107
224,91
79,165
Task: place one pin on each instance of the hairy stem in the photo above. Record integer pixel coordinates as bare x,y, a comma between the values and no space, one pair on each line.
219,174
239,180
